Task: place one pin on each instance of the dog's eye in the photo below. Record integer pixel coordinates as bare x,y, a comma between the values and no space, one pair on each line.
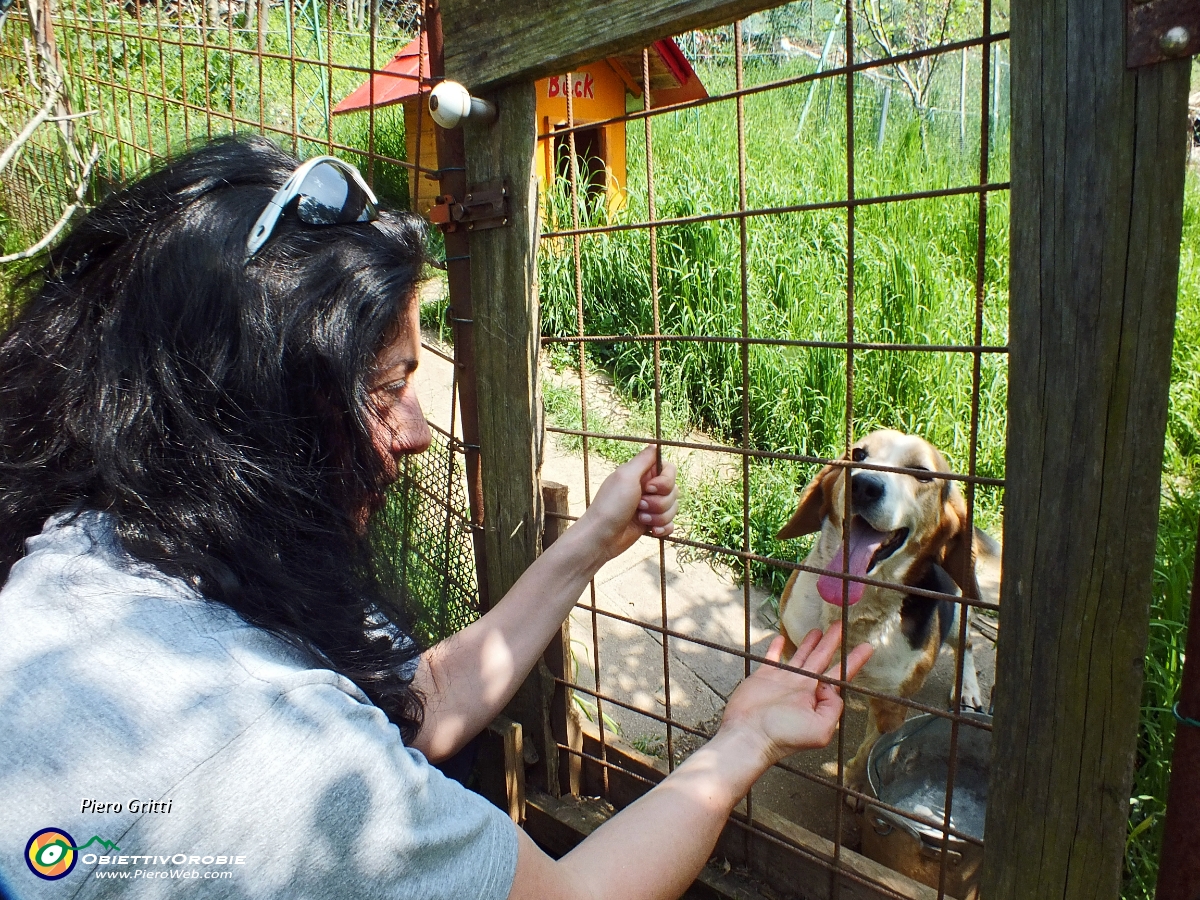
858,454
922,478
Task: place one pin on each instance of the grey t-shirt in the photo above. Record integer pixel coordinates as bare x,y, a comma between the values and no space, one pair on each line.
183,752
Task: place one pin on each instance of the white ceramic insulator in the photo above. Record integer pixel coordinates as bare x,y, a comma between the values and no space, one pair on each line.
450,103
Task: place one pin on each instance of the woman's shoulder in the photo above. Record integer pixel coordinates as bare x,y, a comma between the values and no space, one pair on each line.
77,596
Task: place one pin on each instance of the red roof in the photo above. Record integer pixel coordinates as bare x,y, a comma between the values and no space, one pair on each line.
395,83
402,78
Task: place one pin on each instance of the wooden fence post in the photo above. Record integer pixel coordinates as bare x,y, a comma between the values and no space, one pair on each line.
563,772
1097,194
507,343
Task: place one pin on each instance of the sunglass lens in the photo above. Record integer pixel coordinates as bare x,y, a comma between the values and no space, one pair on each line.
329,196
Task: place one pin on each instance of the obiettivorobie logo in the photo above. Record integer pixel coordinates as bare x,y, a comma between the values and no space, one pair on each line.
51,853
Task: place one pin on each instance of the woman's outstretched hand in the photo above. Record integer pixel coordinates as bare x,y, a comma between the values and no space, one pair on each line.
782,712
634,500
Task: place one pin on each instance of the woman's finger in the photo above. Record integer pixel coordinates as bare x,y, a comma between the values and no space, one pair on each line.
655,505
856,659
805,647
662,482
818,656
775,651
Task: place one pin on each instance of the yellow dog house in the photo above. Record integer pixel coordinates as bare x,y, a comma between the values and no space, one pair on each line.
600,93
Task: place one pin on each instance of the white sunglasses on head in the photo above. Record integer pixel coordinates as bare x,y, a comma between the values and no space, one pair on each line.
323,191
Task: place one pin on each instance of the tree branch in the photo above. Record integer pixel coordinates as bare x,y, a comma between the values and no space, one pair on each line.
58,226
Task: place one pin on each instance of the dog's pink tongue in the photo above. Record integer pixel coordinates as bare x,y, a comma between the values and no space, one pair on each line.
864,541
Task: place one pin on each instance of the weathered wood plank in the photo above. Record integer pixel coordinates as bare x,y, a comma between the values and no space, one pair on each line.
1096,217
562,769
506,330
493,42
797,862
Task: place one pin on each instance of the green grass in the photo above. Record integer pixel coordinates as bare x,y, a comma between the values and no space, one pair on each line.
914,283
131,65
1178,520
914,279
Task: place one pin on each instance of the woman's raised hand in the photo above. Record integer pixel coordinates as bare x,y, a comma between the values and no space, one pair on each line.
782,712
634,500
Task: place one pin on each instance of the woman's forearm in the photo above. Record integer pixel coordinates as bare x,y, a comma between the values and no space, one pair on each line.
469,677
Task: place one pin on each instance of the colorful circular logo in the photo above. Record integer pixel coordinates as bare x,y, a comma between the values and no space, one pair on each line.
50,854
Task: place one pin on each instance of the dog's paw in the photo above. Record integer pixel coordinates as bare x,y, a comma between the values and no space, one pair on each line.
971,701
856,780
854,804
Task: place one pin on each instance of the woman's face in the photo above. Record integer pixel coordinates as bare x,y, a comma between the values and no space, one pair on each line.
398,426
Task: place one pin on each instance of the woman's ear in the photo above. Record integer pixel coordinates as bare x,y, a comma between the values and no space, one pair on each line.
814,505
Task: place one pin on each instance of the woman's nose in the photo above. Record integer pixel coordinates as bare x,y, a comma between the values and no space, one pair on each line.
413,434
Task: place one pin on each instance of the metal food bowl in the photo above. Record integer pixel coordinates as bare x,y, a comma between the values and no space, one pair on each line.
907,769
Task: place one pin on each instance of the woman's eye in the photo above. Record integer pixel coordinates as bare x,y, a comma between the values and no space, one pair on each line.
921,478
392,387
858,454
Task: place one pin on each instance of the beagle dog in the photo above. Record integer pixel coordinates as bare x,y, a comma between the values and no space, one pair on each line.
906,530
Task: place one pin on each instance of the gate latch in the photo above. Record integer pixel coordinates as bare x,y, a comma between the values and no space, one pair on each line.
1159,30
484,206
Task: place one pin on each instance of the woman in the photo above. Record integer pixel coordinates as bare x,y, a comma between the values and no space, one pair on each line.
203,675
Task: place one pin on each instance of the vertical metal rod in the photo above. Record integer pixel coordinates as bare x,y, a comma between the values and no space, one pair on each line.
651,215
744,352
836,886
290,24
206,7
145,82
128,93
264,24
452,160
328,67
162,77
962,104
233,56
973,461
573,178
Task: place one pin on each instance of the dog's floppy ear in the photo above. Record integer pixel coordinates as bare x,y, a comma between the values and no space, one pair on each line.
814,506
958,559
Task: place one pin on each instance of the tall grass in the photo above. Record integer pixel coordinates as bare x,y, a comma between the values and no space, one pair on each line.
914,268
914,283
1178,521
161,83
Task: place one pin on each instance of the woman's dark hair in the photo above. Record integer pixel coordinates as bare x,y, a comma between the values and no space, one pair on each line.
217,408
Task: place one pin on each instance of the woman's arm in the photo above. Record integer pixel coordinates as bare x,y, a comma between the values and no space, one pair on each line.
655,847
469,677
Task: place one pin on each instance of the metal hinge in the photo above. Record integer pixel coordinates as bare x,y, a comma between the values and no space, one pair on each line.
485,206
1159,30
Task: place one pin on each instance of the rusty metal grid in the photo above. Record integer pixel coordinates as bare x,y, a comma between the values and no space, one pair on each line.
563,238
158,78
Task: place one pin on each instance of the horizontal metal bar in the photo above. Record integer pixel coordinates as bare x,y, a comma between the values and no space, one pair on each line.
771,454
792,771
769,342
753,657
996,38
785,210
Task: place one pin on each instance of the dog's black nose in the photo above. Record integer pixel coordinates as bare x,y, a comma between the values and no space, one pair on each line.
865,489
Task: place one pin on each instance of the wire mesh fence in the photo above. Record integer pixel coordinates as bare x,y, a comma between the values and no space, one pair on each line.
814,250
754,277
145,81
